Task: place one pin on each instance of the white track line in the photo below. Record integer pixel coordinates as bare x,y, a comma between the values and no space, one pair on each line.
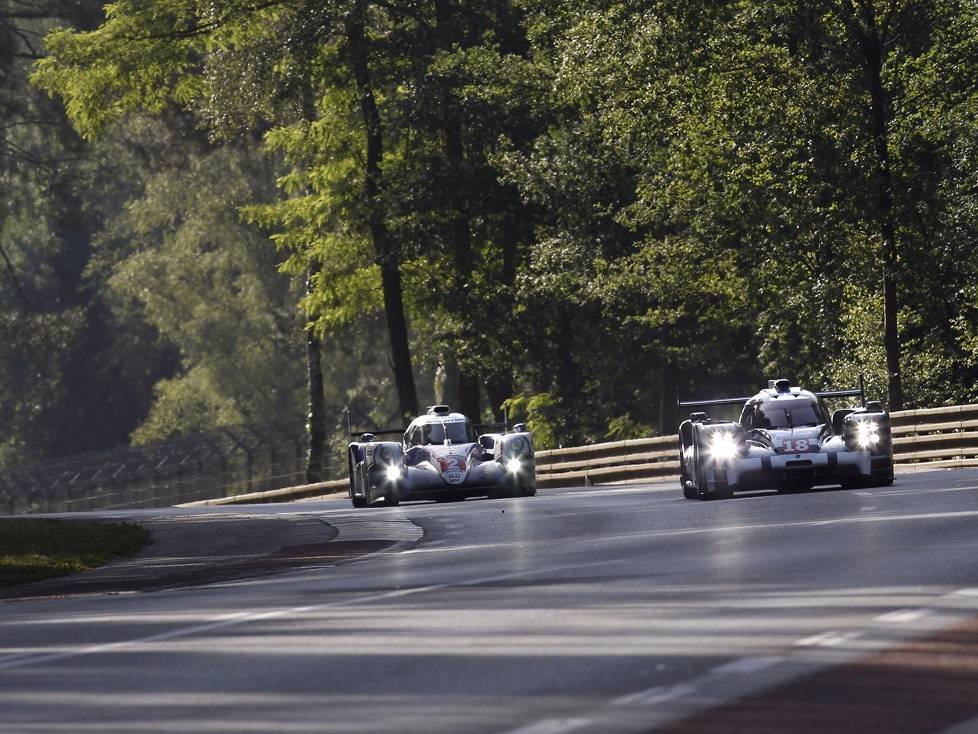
551,726
828,639
901,616
240,618
747,665
653,696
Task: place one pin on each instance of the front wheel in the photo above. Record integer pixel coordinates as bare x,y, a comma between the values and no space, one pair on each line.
685,483
701,488
393,498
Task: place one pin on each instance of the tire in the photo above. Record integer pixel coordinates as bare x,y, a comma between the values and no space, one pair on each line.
529,491
358,502
702,489
393,498
684,480
700,486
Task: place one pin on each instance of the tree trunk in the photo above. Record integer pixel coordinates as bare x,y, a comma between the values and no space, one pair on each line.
668,408
873,51
459,230
386,255
315,467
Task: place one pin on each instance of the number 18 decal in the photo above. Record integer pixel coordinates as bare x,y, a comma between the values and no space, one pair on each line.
798,445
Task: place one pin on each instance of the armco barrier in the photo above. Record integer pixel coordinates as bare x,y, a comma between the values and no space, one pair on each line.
937,437
287,494
604,463
933,437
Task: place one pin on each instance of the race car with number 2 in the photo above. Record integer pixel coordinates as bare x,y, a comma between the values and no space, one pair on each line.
440,457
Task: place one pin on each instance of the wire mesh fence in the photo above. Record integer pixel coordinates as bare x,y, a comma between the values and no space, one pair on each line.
199,466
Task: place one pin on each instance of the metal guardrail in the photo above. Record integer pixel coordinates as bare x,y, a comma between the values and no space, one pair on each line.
238,466
935,437
607,463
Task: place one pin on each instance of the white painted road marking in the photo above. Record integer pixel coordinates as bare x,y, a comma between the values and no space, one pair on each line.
828,639
652,696
551,726
239,618
747,665
904,615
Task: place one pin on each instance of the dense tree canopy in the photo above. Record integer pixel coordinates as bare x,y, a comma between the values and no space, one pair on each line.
570,209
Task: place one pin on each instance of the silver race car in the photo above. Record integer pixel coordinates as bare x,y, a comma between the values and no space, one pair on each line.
441,458
785,440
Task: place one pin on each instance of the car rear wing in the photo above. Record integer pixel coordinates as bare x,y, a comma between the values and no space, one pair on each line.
859,392
380,432
856,392
719,401
480,428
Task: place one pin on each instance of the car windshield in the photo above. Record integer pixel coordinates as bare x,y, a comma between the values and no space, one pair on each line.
786,413
455,431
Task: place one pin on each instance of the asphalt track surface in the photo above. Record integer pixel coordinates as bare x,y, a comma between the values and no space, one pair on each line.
592,610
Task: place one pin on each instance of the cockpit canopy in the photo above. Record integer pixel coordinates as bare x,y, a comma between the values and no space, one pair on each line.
456,428
783,412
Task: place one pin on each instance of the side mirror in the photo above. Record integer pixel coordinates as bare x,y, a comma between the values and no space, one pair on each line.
874,406
367,438
519,428
699,417
487,442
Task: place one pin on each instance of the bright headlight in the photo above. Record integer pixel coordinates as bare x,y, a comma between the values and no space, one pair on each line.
516,447
514,466
867,434
723,446
393,473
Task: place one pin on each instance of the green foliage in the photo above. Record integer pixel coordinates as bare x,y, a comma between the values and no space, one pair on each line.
625,427
542,415
33,549
591,206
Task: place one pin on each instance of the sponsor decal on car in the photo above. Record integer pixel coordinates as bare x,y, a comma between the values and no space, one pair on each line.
452,468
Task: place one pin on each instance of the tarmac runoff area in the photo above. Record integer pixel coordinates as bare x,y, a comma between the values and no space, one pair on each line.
190,550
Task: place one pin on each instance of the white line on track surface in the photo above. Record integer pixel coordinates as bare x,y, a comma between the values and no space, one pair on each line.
551,726
747,665
828,639
901,616
239,618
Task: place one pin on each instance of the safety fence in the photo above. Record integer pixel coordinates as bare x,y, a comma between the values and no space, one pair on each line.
229,461
934,437
246,465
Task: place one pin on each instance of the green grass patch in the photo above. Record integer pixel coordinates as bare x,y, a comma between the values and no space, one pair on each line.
32,549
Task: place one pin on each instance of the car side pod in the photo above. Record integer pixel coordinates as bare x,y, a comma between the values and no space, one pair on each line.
868,430
514,452
706,449
376,472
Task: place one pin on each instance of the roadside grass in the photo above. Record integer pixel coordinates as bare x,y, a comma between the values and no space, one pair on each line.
32,549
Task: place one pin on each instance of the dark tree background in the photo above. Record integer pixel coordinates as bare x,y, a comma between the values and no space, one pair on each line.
570,210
